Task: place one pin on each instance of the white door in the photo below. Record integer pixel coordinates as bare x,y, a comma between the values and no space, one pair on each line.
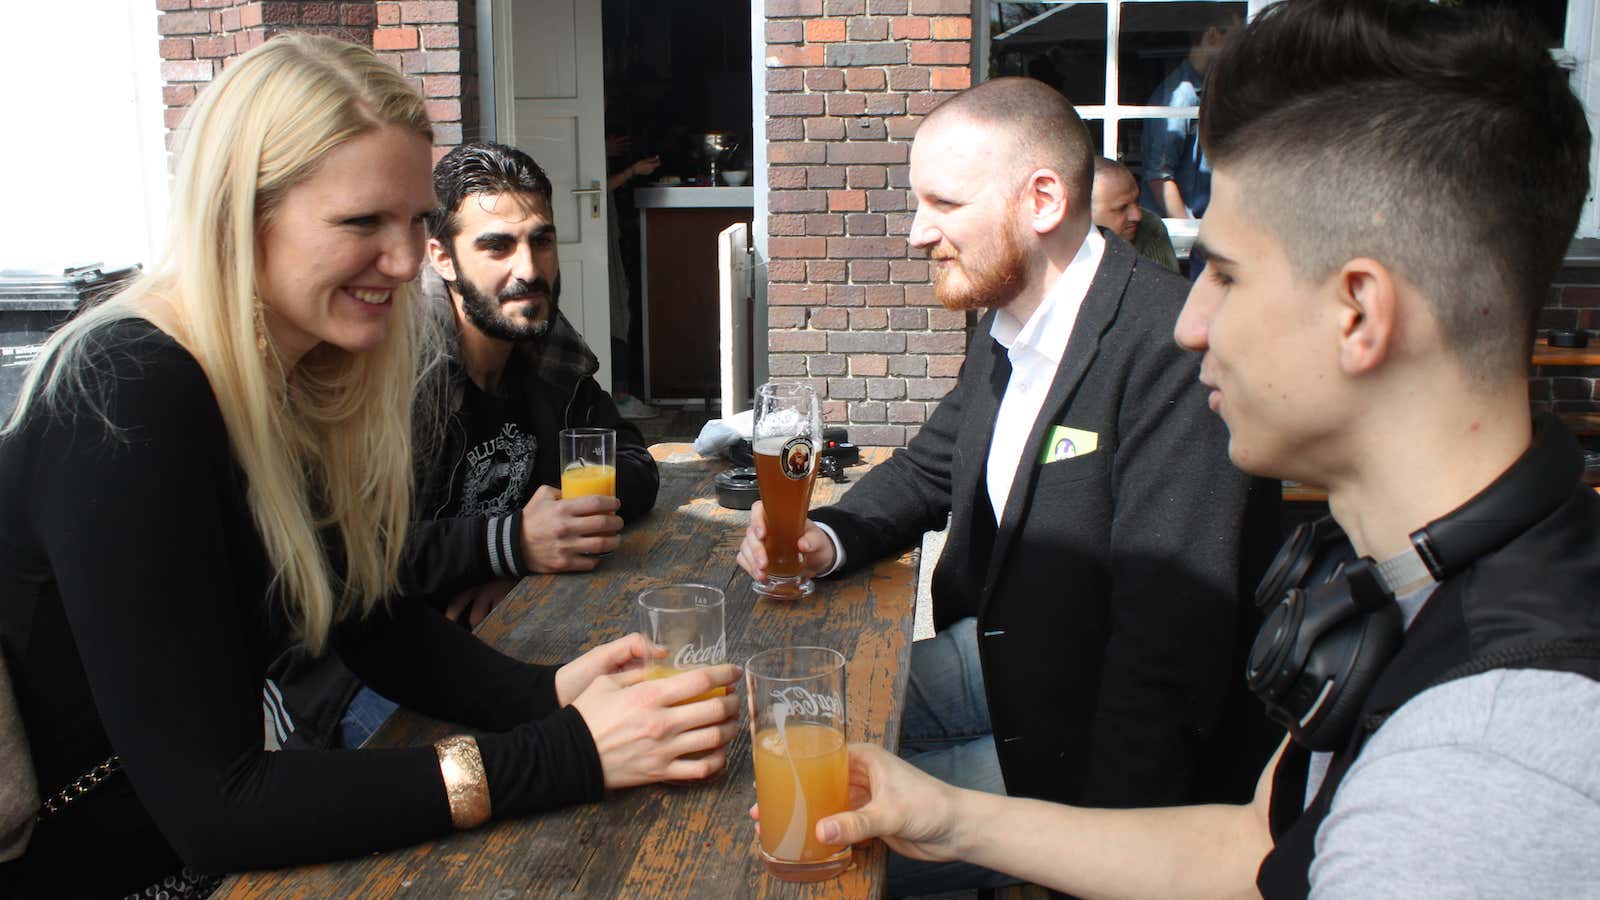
733,302
550,103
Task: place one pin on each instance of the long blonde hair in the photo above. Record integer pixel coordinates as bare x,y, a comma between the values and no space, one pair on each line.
326,449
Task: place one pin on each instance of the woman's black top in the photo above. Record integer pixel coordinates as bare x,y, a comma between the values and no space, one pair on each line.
137,618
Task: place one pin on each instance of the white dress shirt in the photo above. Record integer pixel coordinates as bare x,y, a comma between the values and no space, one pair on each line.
1035,348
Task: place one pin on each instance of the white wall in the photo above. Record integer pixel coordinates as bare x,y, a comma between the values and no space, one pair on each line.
83,158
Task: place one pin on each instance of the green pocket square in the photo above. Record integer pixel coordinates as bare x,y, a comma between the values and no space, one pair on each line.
1066,443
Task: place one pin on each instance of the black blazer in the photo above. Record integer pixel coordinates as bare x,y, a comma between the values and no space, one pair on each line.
1110,620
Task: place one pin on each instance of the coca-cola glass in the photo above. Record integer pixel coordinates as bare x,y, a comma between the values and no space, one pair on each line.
797,743
688,620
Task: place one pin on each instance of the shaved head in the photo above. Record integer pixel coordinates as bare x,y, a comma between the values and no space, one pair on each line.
1043,129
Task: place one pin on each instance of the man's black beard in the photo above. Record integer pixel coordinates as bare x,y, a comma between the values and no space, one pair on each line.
485,314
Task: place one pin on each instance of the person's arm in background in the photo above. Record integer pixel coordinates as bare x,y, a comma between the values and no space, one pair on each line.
1163,145
1170,198
631,171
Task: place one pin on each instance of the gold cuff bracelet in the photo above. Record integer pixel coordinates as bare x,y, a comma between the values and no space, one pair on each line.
464,780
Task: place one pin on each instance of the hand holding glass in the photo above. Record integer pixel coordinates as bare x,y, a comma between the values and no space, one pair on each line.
689,621
787,438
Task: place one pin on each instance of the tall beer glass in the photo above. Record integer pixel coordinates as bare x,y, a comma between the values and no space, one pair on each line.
787,437
797,743
688,620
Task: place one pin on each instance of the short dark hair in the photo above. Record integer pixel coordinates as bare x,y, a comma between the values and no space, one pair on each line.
1047,130
1445,144
481,168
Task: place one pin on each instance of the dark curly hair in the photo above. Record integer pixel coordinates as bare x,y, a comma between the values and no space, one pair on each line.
481,168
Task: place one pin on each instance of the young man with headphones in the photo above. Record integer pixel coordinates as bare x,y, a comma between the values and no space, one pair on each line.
1395,187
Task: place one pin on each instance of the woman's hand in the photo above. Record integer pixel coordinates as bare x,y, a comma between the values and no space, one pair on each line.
645,729
621,655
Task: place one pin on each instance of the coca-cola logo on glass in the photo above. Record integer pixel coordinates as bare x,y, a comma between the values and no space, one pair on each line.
690,655
801,702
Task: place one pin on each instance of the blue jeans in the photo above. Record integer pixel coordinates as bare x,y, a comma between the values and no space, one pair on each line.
946,733
366,712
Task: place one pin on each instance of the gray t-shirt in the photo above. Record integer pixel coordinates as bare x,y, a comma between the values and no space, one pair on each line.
1487,786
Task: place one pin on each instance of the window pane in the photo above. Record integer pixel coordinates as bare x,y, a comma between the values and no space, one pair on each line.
1129,150
1547,16
1158,38
1097,134
1063,45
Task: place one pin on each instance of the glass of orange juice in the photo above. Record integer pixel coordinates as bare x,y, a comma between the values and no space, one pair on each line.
588,462
689,621
796,699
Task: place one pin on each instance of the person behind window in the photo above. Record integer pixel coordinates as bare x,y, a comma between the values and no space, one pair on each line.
1176,170
217,462
1396,185
1115,207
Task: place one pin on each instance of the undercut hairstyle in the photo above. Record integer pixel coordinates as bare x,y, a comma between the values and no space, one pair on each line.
1443,143
1043,126
481,168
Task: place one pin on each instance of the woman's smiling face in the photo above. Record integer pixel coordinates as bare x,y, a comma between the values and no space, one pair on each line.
340,243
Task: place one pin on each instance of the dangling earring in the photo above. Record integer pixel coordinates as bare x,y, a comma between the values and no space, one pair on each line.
261,327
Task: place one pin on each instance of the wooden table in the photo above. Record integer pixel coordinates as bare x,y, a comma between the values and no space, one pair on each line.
662,841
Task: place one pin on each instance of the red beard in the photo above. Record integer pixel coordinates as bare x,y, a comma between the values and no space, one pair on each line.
994,276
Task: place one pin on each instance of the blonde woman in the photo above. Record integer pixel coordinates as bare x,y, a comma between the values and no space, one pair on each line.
216,463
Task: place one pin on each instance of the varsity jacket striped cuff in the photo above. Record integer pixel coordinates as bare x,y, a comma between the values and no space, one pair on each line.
503,543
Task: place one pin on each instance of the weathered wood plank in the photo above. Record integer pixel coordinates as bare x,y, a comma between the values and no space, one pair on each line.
662,841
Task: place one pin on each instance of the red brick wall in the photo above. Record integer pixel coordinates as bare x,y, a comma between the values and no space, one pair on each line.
1574,303
850,308
435,41
431,41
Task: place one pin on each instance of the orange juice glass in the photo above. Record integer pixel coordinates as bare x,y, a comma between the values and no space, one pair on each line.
797,744
689,621
588,463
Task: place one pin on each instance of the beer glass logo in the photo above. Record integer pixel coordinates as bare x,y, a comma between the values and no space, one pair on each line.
797,701
689,656
796,457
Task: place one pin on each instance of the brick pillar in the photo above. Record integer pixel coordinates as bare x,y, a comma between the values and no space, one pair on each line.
432,41
850,306
435,42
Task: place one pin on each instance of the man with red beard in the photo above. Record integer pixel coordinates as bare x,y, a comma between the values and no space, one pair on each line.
1091,626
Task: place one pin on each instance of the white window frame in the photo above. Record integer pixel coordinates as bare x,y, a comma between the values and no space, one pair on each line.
1579,46
1110,114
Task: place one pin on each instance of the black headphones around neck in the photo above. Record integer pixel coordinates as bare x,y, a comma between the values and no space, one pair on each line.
1331,624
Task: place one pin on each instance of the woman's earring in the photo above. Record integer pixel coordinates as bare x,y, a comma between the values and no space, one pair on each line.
261,328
